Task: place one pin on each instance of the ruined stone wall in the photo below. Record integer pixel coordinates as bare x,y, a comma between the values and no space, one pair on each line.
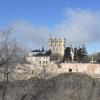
24,72
90,69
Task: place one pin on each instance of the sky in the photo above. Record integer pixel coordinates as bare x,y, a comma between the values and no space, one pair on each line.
33,22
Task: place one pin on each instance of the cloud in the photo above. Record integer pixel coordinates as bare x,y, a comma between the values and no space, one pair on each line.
33,36
79,26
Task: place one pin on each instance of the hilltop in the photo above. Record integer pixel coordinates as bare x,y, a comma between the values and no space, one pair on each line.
66,86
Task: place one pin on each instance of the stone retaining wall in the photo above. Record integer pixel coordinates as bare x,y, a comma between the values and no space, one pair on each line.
90,69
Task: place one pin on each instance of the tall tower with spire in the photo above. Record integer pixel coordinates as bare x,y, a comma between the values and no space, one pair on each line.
72,53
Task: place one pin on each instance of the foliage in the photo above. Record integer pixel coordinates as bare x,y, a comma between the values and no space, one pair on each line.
69,86
10,54
75,54
67,54
80,54
97,57
84,54
56,57
48,52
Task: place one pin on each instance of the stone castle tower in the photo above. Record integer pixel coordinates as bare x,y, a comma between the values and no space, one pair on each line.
57,46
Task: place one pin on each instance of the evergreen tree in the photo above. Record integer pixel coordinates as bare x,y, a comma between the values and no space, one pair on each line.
75,54
48,52
67,54
79,55
97,57
84,54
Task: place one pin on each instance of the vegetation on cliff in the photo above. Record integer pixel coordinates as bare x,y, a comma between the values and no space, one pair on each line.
67,86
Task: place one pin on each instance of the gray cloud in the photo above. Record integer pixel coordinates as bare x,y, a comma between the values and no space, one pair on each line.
33,36
78,27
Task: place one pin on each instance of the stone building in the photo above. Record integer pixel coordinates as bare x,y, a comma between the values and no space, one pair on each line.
38,58
57,46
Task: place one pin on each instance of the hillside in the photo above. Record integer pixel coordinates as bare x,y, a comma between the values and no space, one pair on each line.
67,86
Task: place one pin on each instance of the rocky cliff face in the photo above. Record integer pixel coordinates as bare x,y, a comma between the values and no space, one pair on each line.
70,86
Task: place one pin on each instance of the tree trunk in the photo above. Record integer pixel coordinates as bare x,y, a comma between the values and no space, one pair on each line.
5,84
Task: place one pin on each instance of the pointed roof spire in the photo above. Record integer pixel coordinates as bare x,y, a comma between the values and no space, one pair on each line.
50,36
42,49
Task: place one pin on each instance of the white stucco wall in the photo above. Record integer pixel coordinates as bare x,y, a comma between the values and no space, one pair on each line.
38,60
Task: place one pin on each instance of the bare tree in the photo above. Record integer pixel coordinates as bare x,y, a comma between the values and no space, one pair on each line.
10,54
97,57
42,86
56,57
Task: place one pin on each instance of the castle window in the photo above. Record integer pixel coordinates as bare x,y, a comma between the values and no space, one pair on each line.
46,62
32,71
43,62
59,66
70,70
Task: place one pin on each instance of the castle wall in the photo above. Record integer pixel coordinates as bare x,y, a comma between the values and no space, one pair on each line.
29,70
90,69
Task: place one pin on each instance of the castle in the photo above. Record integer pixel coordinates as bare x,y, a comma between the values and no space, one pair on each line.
39,62
57,48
